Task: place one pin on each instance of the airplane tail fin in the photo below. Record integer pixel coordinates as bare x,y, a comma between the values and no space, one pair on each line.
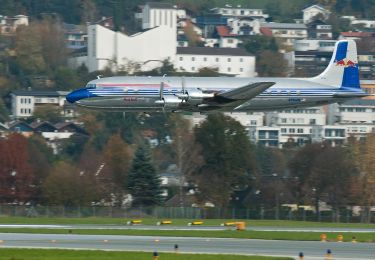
342,71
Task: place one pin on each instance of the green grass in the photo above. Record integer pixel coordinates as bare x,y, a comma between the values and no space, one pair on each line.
277,235
178,222
54,254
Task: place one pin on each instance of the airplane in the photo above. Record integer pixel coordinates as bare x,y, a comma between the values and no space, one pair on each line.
339,82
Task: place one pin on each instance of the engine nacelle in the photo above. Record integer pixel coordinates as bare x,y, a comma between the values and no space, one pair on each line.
194,96
170,101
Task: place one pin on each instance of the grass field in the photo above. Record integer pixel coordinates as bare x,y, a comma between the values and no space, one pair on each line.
178,222
279,235
52,254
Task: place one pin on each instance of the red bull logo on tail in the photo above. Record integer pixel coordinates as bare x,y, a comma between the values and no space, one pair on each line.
345,63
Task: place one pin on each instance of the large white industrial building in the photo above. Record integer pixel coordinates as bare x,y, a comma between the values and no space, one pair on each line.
118,51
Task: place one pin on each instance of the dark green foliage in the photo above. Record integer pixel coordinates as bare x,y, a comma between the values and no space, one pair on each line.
229,161
143,183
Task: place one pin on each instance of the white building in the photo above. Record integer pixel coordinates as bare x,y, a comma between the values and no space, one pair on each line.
296,124
229,61
242,26
313,11
239,11
314,45
364,23
24,102
117,51
265,135
287,32
8,25
158,14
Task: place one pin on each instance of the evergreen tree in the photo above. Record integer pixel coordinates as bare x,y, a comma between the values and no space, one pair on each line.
143,183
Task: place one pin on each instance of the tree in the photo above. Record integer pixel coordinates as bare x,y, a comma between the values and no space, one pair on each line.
271,64
67,186
50,113
41,159
16,174
117,157
259,43
229,161
187,153
366,179
143,182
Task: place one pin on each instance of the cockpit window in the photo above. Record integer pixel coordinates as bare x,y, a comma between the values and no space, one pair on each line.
90,85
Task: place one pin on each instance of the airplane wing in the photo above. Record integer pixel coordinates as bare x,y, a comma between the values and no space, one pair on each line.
235,97
244,93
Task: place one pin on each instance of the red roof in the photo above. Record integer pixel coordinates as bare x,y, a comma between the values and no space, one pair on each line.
357,34
223,31
266,31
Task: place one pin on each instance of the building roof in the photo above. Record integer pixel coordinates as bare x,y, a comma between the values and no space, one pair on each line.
297,26
213,51
39,93
156,5
224,31
357,34
266,31
315,6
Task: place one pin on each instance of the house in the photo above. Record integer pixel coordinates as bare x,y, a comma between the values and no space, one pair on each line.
226,38
314,45
318,29
312,63
229,61
356,35
20,127
9,24
240,12
287,32
75,36
24,102
315,12
296,124
242,26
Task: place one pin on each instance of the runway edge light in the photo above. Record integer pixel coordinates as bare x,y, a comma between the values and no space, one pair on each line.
301,256
156,255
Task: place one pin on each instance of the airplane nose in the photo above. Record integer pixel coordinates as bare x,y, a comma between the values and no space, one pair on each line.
76,95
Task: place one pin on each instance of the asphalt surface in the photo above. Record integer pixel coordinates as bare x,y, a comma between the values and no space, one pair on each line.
311,250
169,227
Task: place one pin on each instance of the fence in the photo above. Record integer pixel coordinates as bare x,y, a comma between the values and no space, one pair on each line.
344,215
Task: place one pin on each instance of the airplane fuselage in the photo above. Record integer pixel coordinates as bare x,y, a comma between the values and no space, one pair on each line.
143,94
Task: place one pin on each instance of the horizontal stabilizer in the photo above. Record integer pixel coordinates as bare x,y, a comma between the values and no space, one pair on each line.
246,92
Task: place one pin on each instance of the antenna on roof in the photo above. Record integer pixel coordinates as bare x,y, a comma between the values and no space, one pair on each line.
99,76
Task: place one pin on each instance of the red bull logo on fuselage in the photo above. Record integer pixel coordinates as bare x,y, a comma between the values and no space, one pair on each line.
345,63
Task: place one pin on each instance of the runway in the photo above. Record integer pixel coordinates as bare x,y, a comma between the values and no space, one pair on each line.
206,228
311,250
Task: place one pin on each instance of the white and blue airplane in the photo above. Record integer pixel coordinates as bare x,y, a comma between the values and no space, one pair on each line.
339,82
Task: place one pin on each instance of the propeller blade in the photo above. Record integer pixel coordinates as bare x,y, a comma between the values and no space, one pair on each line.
162,90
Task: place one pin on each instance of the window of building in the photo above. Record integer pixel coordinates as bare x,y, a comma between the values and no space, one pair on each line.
229,69
241,59
241,69
193,68
192,58
292,130
229,59
283,120
181,58
300,130
205,59
283,130
217,59
253,122
230,40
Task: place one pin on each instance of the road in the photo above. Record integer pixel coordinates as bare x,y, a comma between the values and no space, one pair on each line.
311,250
167,227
